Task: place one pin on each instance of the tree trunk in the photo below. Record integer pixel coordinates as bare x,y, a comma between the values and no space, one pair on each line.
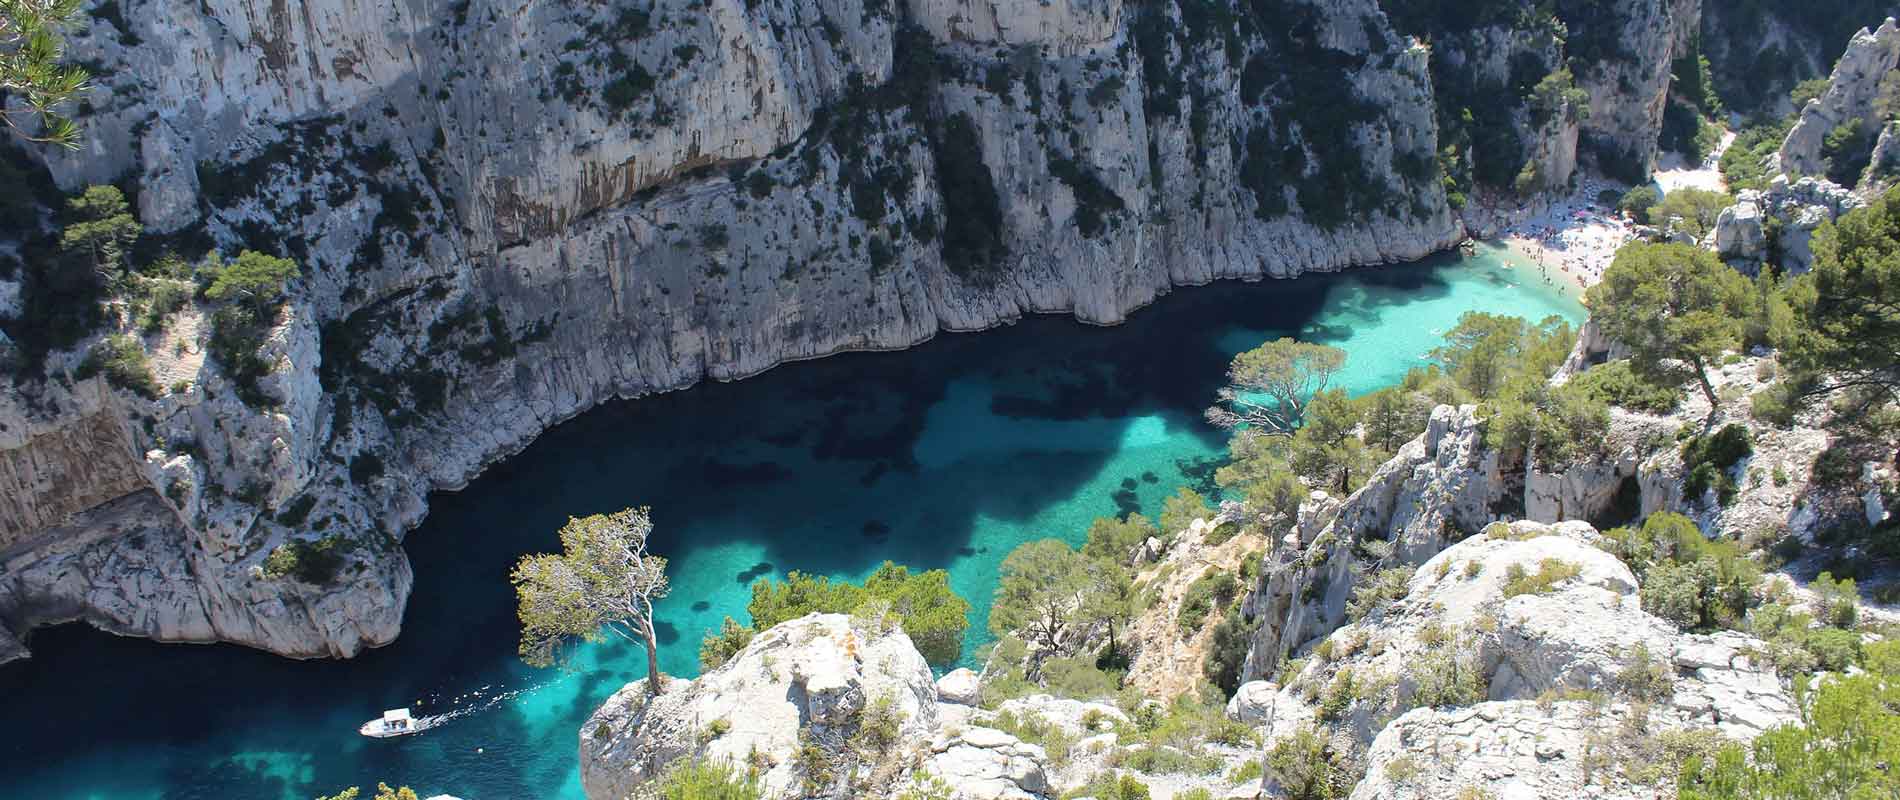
653,661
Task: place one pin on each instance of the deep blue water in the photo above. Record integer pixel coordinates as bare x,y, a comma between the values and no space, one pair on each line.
946,455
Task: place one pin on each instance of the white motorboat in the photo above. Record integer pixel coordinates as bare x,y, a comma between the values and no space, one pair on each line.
394,722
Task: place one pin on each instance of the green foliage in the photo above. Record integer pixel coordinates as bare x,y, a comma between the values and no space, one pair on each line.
1180,510
1845,747
1808,91
602,582
922,603
315,563
1304,764
718,648
1109,786
31,49
1677,307
1206,593
1645,677
1616,384
1836,602
1686,577
253,278
1227,652
1638,202
124,363
1042,593
1115,539
1484,351
1743,164
1845,151
100,229
1094,201
1687,131
693,779
972,240
1271,386
383,792
1558,425
1691,211
1449,672
1550,572
1379,590
1847,334
1708,460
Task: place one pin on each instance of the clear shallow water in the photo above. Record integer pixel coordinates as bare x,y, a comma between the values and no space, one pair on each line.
947,455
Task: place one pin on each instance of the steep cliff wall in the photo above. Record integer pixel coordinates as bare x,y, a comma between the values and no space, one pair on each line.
507,214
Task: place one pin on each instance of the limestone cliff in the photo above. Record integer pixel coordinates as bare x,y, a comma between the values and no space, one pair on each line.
507,214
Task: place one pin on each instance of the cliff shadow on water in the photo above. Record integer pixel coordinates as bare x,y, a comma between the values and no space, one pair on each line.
946,456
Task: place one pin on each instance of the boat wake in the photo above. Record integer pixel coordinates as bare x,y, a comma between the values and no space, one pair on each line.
470,703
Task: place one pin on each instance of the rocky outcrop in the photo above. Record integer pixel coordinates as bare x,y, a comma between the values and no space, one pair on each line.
1793,209
1477,623
1515,749
815,680
1870,57
1625,69
1439,487
1167,659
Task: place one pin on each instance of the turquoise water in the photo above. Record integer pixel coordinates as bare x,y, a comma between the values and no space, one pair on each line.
947,455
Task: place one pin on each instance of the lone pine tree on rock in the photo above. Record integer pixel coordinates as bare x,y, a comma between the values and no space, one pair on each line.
603,582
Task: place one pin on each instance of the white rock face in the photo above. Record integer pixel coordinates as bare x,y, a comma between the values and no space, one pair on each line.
1510,750
814,675
988,764
1439,485
1585,633
1800,206
629,198
1851,89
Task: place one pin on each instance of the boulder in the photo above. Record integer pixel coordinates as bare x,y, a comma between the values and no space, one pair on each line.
987,764
960,685
1252,703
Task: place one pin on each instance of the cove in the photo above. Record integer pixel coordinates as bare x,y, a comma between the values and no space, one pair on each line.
946,455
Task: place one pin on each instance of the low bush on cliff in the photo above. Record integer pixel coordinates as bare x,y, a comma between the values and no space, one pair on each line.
1843,746
1614,383
1707,460
315,563
693,779
1686,577
921,603
122,360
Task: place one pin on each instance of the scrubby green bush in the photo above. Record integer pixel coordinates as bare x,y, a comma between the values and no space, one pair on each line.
1378,590
693,779
1686,577
1227,652
924,606
1550,572
1614,383
1207,592
122,359
315,563
718,648
1842,748
1115,539
1708,460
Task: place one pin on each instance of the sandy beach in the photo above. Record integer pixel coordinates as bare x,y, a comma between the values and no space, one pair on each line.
1571,243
